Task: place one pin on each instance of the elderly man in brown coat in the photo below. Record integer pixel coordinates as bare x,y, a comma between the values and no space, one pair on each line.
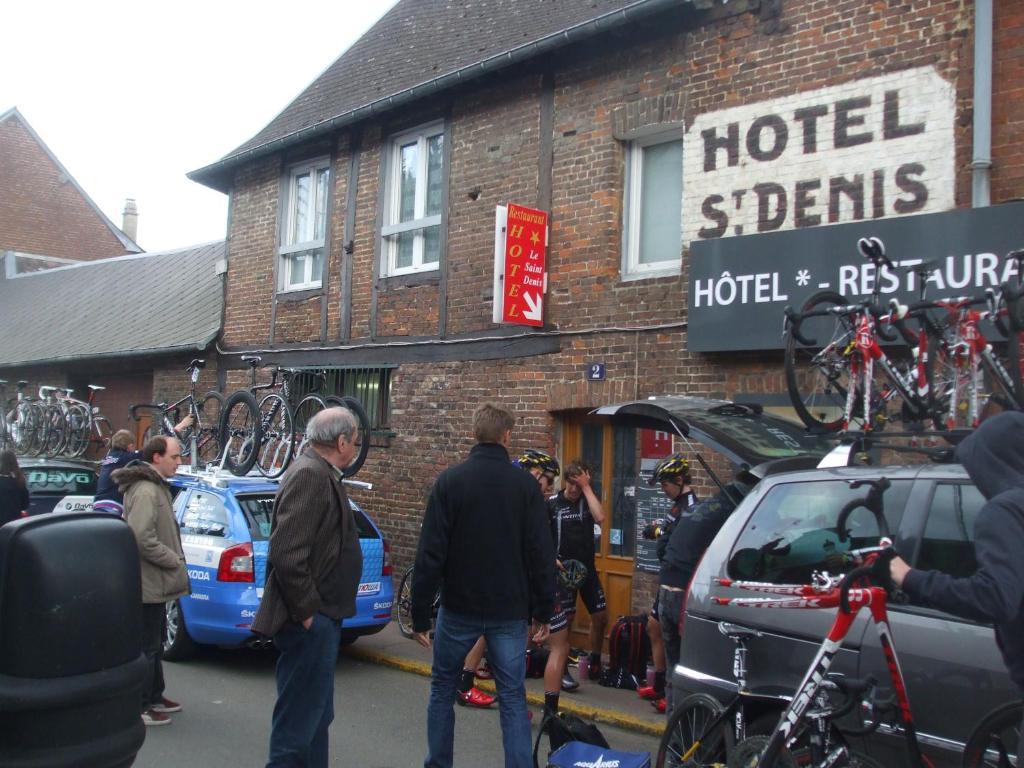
313,572
147,504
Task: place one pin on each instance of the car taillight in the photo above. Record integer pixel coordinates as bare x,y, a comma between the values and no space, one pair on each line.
386,570
236,564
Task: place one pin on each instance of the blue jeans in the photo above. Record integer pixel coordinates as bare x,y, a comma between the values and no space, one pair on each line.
506,653
305,693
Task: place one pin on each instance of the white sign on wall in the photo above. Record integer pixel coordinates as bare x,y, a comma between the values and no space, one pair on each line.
869,149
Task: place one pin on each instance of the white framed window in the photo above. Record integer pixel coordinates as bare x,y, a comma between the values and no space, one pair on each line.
652,237
304,225
413,201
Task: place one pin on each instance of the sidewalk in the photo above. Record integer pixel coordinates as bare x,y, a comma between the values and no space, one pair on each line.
621,708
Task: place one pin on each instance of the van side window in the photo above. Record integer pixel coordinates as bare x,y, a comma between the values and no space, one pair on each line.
205,515
793,531
948,541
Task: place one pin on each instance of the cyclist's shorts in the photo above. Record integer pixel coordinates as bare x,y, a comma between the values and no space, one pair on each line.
108,506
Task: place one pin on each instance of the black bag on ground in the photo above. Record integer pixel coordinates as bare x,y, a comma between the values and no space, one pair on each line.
566,727
629,649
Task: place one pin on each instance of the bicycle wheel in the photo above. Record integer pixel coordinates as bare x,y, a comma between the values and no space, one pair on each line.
22,428
307,408
277,424
404,604
240,431
79,422
685,741
55,430
208,444
994,741
818,377
362,435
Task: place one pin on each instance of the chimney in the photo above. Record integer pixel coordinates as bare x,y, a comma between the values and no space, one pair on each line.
130,219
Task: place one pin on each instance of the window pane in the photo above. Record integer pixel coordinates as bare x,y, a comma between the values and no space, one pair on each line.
661,203
300,210
948,543
407,188
403,259
431,245
296,265
316,259
205,515
622,534
435,157
793,531
320,225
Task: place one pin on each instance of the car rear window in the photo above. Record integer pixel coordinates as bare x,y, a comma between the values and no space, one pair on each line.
793,530
60,481
259,513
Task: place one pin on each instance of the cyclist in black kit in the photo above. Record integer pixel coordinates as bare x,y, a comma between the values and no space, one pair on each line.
673,475
574,512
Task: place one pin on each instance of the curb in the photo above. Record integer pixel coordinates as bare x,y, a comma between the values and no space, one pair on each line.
598,714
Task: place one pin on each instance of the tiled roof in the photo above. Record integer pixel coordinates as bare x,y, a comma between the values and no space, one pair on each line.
152,303
423,46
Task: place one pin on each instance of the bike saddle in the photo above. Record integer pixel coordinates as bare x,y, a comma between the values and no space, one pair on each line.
736,632
197,363
96,387
252,360
22,383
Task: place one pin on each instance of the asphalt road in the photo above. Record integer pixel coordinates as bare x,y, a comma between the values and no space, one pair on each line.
380,719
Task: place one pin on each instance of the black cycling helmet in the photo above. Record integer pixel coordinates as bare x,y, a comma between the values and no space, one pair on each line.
670,468
546,463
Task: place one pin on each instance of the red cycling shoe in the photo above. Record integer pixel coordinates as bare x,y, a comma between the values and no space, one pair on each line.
474,697
649,692
661,705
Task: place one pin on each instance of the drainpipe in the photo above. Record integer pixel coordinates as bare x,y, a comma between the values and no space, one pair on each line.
981,164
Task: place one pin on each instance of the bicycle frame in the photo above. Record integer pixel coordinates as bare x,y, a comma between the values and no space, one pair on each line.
828,594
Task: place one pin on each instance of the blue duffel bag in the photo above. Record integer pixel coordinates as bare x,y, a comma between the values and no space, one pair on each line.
577,754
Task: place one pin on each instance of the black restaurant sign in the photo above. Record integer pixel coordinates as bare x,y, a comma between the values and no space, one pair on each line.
739,286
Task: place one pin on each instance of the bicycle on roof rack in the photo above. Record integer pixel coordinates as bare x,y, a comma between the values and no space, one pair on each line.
270,432
200,441
839,377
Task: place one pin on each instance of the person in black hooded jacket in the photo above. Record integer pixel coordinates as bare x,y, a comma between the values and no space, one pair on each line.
993,456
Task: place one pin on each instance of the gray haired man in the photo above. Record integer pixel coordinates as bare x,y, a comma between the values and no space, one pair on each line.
313,572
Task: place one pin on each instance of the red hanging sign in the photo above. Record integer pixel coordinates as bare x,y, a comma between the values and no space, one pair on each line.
525,268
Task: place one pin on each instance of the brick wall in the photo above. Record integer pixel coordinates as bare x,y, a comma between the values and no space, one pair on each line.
41,211
662,73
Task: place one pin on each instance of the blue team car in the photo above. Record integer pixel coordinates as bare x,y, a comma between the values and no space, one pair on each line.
225,527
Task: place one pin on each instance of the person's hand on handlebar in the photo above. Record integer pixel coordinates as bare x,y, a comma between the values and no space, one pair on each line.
898,570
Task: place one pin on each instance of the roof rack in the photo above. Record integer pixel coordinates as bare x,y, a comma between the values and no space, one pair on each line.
219,478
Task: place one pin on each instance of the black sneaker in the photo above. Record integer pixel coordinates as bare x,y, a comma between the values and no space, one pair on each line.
568,683
594,668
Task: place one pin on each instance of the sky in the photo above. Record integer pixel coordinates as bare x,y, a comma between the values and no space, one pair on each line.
132,96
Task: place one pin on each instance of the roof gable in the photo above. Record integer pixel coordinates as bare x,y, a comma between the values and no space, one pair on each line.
421,47
36,187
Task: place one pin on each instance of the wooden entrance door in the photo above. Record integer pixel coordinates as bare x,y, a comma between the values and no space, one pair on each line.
611,452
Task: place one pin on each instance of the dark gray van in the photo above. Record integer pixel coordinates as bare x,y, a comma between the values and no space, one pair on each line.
785,529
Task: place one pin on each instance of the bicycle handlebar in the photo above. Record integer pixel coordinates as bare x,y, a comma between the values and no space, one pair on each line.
871,502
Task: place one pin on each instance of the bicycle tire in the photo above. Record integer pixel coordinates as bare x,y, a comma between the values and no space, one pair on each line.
818,377
103,430
79,423
56,432
403,604
687,723
362,435
308,407
22,428
278,441
1015,351
994,738
240,430
208,443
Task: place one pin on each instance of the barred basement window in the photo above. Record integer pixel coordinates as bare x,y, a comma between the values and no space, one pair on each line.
370,386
